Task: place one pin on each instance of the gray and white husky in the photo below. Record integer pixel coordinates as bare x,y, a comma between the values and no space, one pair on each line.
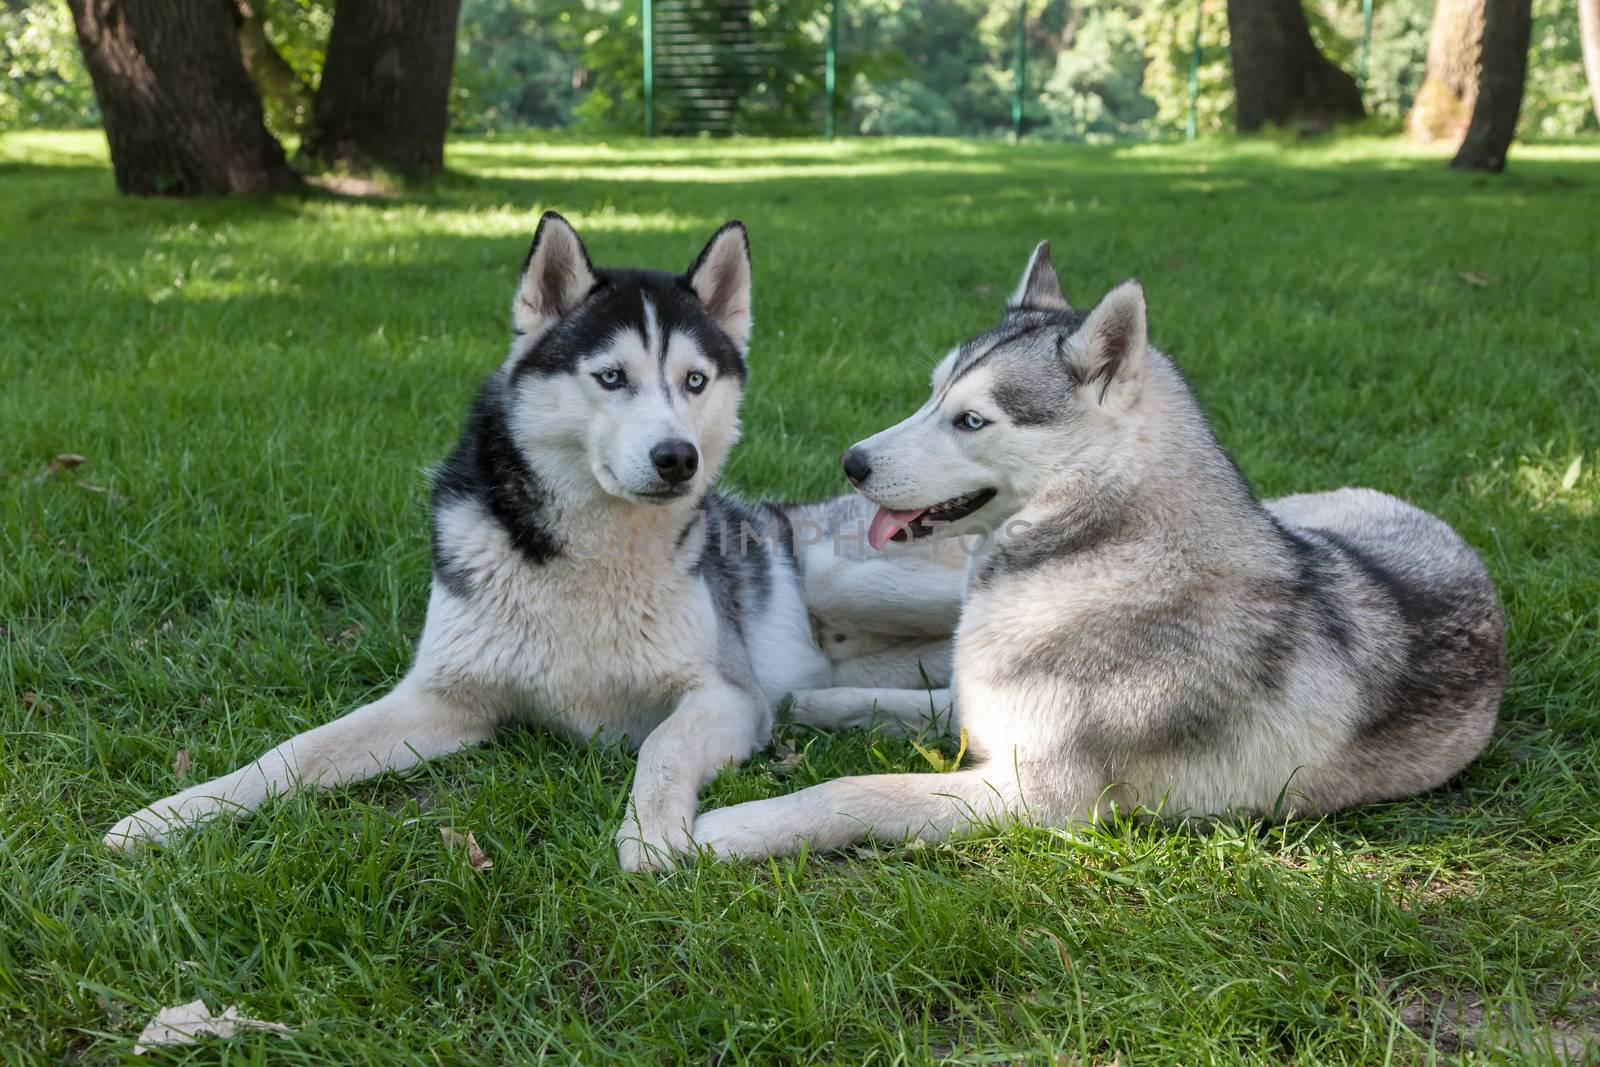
1139,628
588,579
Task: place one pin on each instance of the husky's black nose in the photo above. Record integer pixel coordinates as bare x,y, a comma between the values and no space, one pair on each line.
855,465
676,461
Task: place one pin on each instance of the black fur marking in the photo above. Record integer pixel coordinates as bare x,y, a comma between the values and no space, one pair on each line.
688,528
487,467
1157,712
736,556
616,304
1314,586
1082,527
1017,324
1454,651
1036,406
785,533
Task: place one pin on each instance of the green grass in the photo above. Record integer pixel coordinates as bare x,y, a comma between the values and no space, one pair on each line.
259,388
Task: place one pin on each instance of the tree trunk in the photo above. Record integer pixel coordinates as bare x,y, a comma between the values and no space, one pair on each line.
180,114
1450,80
1278,74
385,92
1502,70
282,90
1589,34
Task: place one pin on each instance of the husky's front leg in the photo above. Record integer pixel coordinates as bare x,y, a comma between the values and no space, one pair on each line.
843,707
410,725
886,807
912,595
711,728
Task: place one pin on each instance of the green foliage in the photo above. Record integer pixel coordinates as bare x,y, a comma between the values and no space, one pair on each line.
260,385
931,54
949,66
902,108
613,54
1556,102
1167,28
1096,91
1096,69
786,94
779,92
523,62
45,83
930,76
1399,51
299,31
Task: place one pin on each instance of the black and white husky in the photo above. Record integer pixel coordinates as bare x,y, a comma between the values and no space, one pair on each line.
587,578
1138,628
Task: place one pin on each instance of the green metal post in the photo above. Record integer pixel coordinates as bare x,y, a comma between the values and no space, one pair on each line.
1194,74
1366,42
833,63
649,68
1022,64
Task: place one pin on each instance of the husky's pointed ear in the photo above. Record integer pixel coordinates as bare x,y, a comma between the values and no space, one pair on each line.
556,276
720,277
1039,288
1108,351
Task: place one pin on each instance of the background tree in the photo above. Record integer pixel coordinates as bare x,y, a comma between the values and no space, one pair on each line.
1502,69
1589,34
1450,79
384,99
285,95
1279,75
1097,69
180,114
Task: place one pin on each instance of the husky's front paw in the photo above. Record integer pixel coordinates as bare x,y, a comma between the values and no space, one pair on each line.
732,833
650,849
144,827
155,824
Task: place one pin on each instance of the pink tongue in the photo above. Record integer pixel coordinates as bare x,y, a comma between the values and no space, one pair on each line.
885,524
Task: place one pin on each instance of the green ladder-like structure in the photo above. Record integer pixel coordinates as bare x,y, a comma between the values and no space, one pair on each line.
701,56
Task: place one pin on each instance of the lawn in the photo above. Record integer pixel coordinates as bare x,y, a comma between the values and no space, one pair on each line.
259,388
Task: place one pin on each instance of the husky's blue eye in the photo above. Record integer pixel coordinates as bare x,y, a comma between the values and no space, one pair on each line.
695,382
611,378
970,420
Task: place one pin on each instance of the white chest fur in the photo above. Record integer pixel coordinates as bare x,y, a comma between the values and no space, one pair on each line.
604,644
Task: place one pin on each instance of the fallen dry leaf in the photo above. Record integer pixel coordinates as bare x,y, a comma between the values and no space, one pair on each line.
351,185
785,766
1478,278
1574,469
180,764
476,856
65,461
346,637
111,1009
183,1023
90,487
